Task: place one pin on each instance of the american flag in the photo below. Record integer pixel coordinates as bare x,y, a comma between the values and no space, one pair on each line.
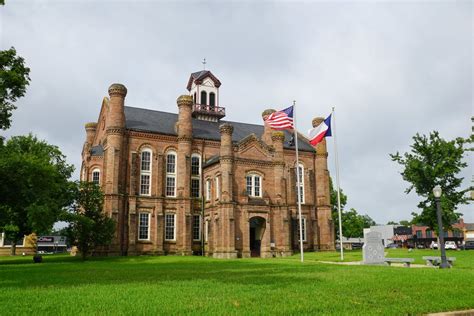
281,120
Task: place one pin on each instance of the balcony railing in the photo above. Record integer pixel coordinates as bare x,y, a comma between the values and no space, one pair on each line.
212,110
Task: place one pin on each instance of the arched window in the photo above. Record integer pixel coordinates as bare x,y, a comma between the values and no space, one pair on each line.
301,184
96,176
145,172
254,185
171,174
212,99
204,97
195,175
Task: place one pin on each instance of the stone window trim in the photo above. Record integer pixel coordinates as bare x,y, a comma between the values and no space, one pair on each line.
303,217
197,229
254,184
146,167
302,182
217,187
95,175
208,190
196,173
170,226
171,173
144,226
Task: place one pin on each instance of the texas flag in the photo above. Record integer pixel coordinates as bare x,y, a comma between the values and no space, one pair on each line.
319,132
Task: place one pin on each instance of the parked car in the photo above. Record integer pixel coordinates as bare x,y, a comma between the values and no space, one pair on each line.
392,245
420,246
434,245
451,245
469,245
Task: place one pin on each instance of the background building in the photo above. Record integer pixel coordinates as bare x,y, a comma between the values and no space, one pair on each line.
187,182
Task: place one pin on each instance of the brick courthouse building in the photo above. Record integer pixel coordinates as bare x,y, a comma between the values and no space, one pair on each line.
158,169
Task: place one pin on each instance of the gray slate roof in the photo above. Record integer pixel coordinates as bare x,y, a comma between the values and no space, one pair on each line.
163,123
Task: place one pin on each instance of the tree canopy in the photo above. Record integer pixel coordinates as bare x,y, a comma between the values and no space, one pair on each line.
34,187
89,228
434,161
14,78
353,224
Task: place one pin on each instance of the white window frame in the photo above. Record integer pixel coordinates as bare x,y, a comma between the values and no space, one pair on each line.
148,224
174,226
217,187
198,227
171,175
144,172
300,166
208,190
253,176
303,217
95,171
196,176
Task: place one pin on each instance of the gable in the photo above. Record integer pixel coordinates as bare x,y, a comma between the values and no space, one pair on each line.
101,122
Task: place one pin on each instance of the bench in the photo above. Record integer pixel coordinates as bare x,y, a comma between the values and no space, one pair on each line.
406,261
436,261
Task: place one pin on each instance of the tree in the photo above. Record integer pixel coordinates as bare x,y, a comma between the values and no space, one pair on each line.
435,161
89,228
14,78
34,187
353,224
333,200
392,223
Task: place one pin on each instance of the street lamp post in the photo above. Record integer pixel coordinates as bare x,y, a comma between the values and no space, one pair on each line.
437,194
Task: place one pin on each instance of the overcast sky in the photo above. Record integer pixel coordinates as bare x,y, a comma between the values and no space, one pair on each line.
392,69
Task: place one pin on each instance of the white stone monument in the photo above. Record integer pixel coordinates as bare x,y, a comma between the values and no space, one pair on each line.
373,250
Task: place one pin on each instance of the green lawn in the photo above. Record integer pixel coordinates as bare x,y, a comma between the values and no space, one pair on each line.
185,285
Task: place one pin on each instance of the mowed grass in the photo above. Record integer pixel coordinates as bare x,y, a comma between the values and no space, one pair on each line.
196,285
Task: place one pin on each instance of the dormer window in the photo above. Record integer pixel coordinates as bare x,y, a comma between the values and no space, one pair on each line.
204,97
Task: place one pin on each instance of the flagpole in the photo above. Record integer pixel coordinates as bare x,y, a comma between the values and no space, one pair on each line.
298,186
337,182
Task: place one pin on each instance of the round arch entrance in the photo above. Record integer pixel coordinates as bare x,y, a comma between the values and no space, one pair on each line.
257,229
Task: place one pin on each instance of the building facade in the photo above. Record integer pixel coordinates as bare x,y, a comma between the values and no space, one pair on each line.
191,182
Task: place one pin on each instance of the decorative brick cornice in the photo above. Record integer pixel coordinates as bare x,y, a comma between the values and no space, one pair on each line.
117,90
226,159
226,128
115,130
323,155
185,100
252,162
185,139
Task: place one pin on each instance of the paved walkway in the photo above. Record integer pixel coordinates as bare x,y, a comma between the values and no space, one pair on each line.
456,313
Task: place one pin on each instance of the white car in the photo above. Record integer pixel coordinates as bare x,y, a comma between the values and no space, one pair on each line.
434,245
450,245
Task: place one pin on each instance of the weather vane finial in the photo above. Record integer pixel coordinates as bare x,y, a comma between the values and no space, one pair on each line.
204,64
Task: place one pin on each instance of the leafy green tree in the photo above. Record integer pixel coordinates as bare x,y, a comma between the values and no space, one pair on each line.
89,228
14,78
353,224
434,161
34,187
405,223
333,199
392,223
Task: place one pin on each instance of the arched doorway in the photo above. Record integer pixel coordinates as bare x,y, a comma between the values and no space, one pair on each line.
257,229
